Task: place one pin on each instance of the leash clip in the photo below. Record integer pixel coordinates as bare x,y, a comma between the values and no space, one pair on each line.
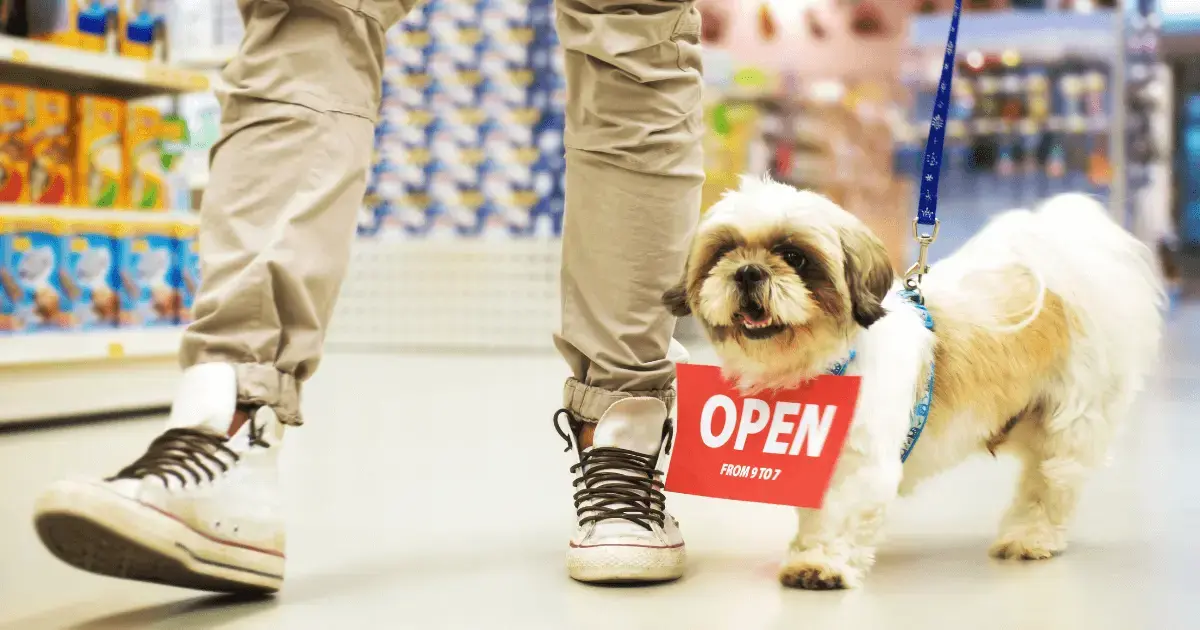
912,277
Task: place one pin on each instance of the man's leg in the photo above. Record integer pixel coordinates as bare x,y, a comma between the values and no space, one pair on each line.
634,175
201,509
289,173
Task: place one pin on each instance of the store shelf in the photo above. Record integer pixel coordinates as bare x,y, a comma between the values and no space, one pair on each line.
48,66
1049,33
35,393
213,59
39,348
60,375
81,214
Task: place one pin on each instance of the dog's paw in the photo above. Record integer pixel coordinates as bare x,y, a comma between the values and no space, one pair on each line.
812,577
1026,548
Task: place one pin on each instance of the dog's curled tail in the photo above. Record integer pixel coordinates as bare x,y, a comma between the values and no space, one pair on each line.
1107,277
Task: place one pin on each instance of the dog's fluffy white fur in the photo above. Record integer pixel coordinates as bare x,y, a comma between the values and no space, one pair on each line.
1046,325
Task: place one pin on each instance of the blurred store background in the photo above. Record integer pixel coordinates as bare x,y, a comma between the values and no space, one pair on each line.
107,112
427,470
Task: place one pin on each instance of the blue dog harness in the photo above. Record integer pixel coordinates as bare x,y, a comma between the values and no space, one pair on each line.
919,415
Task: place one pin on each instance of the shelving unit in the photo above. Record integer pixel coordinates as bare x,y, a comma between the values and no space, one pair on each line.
47,66
74,214
56,374
1032,33
50,375
1035,36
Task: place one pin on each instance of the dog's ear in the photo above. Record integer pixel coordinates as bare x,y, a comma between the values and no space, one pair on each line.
869,274
676,300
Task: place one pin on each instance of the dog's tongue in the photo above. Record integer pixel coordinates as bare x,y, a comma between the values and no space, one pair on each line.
760,321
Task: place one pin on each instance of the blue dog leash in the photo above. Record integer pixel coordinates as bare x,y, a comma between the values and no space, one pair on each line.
931,166
931,171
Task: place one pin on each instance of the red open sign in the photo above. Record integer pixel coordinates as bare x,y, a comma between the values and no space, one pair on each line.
777,447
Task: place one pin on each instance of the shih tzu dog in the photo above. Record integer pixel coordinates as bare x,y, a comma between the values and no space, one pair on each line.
1045,326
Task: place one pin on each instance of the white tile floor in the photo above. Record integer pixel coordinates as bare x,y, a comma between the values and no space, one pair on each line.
431,492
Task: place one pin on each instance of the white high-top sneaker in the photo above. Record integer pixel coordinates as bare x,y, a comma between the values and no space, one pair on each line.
625,533
200,509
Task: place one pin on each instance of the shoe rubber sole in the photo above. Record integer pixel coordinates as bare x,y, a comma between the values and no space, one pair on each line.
626,564
93,528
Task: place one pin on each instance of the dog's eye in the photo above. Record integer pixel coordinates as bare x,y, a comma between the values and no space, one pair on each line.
793,257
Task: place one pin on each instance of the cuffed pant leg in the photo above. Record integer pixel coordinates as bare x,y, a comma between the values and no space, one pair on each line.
634,176
288,178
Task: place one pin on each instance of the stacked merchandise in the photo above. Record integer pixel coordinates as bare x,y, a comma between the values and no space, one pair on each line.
88,151
470,137
1019,131
130,28
86,273
1031,108
68,270
65,159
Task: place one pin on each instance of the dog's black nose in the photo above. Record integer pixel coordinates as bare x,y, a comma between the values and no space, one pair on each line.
749,275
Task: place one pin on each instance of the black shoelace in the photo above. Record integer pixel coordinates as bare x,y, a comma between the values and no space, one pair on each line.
617,483
195,452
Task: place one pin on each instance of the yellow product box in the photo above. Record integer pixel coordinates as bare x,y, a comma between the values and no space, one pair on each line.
64,30
14,150
51,169
87,24
99,152
143,159
143,30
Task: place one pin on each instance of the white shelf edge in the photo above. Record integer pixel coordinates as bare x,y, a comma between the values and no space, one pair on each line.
114,74
35,393
213,59
91,214
54,347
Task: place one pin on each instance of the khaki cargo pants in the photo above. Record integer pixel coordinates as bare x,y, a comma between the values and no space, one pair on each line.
290,172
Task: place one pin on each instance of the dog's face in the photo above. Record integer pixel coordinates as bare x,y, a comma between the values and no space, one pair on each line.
780,279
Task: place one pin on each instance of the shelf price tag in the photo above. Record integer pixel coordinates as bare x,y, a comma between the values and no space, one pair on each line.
20,55
116,350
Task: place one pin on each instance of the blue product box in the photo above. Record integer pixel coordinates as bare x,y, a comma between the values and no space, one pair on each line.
90,276
187,248
11,292
147,264
35,262
371,217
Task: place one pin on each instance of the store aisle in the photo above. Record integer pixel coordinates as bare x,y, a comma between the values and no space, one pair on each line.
431,492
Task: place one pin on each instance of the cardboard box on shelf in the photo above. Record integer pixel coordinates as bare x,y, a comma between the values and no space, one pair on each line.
90,274
10,291
148,274
32,273
87,24
145,183
59,25
143,30
187,249
99,152
173,143
51,166
14,147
